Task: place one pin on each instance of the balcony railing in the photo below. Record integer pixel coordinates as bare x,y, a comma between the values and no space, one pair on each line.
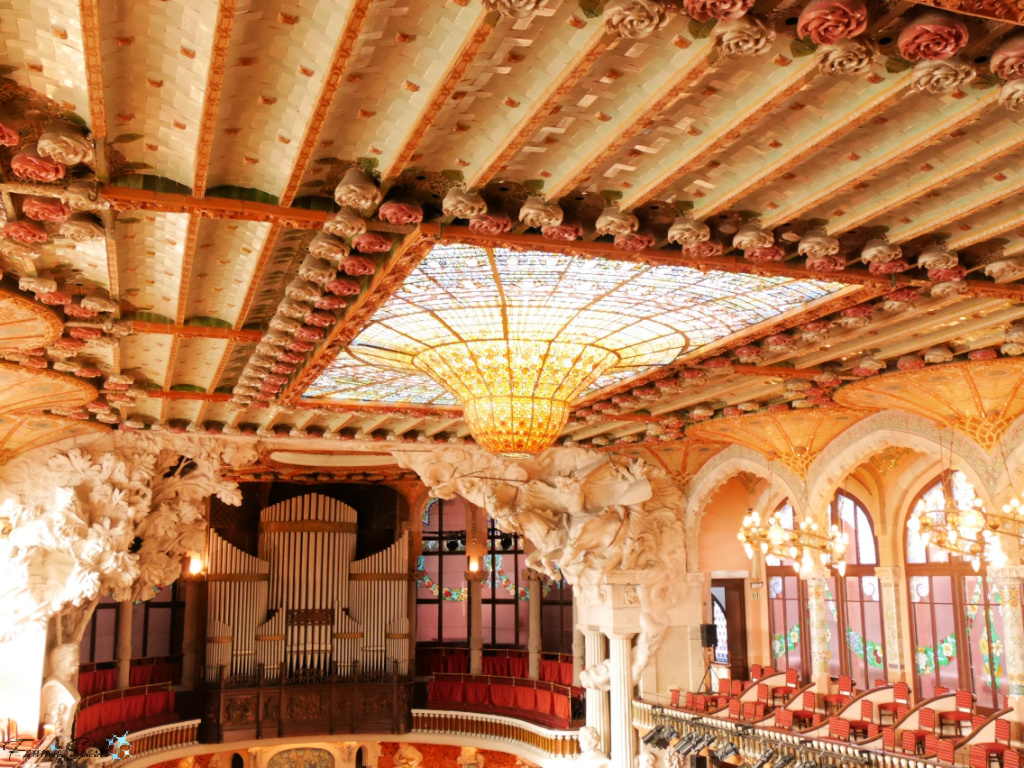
505,729
162,738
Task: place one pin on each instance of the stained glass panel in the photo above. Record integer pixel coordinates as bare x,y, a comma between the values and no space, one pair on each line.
649,315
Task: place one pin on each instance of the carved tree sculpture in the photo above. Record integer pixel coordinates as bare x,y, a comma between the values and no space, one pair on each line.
112,517
590,513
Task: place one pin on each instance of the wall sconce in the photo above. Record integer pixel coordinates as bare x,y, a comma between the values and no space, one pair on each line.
474,564
195,565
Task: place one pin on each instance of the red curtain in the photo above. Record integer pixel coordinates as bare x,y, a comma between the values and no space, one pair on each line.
477,693
561,706
526,698
549,671
496,665
503,696
518,667
565,672
445,691
543,701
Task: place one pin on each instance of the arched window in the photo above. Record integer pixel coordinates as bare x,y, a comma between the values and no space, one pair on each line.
787,608
956,625
854,607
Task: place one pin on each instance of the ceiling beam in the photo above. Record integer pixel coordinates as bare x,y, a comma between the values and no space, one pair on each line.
995,230
946,217
845,121
477,35
196,331
214,86
627,132
266,252
854,172
677,163
328,89
578,68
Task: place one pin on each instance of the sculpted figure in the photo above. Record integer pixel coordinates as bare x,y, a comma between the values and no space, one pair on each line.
408,756
591,754
470,757
597,677
59,695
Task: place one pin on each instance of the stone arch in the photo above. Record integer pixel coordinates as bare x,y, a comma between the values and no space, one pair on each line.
724,465
890,428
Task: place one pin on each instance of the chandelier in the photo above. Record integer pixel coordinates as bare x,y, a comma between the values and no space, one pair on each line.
967,529
804,544
515,338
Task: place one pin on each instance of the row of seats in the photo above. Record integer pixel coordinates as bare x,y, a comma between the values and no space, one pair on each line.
129,713
99,680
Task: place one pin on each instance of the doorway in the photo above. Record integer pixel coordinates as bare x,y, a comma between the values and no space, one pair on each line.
728,612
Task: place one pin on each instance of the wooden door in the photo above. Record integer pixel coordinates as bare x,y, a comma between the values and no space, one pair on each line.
736,619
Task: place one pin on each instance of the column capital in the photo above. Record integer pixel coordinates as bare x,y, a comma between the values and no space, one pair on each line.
1008,573
888,574
475,577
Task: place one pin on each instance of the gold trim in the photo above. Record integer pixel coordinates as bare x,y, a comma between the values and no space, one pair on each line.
269,638
214,86
219,639
238,577
378,576
306,526
347,635
396,635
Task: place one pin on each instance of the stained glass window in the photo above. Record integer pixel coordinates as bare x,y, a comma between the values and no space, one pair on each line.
648,315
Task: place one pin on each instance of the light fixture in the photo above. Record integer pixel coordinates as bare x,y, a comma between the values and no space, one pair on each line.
195,565
806,544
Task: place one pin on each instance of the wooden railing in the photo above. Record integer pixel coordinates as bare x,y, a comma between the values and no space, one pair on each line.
752,741
506,729
162,738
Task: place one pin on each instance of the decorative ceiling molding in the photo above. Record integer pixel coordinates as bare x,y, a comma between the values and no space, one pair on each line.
211,98
996,11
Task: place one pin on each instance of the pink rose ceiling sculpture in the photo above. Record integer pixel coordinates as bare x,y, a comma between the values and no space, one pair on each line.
828,21
24,231
704,250
1007,62
372,242
401,211
496,223
567,232
705,10
30,165
9,135
933,36
358,266
634,241
46,209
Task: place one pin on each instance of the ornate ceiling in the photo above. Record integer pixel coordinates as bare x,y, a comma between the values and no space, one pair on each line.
172,175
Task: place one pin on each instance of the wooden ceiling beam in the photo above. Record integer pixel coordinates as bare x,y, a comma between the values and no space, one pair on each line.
196,331
679,162
854,172
999,229
328,90
627,132
214,86
578,68
254,284
464,55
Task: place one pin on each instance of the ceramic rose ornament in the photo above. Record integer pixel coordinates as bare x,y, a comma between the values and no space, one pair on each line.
346,223
828,21
846,57
685,231
932,37
1007,61
462,204
635,18
357,189
705,10
746,36
401,210
537,213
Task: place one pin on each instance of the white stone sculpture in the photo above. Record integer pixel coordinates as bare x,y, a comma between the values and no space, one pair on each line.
593,514
591,754
646,760
59,696
597,677
470,757
407,756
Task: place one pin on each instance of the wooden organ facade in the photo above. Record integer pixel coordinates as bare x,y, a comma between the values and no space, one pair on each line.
302,638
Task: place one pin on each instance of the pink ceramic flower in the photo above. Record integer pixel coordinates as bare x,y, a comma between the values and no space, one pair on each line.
1008,60
491,223
863,372
761,255
282,368
275,380
357,266
290,357
82,313
320,319
828,21
731,410
329,302
372,242
69,344
889,267
717,362
833,263
54,298
959,272
705,10
46,209
902,294
778,407
634,241
343,286
9,135
706,250
858,310
779,341
29,164
299,346
934,36
34,362
26,232
910,363
87,334
566,232
982,354
401,211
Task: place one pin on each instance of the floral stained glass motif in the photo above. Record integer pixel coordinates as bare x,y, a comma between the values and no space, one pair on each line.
648,315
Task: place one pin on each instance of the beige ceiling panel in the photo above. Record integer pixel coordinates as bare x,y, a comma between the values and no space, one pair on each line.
147,354
152,247
226,257
197,362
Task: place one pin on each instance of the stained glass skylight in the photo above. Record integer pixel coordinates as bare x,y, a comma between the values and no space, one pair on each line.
465,293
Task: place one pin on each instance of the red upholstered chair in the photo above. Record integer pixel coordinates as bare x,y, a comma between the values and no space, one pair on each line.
900,695
1011,759
736,689
722,699
762,694
931,744
700,703
688,701
750,711
941,690
867,717
945,751
805,714
880,683
888,739
843,695
675,697
913,740
996,749
960,716
735,709
784,719
756,672
839,729
768,671
787,690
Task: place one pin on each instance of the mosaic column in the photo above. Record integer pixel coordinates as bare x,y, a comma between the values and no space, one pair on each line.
1007,582
889,584
578,644
818,629
533,638
474,584
597,699
124,643
623,735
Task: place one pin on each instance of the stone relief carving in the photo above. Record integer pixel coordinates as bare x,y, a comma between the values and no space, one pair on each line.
597,677
591,513
591,754
59,696
408,756
111,517
471,757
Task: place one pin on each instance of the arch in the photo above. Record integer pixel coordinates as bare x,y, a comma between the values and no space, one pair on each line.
887,429
237,760
721,467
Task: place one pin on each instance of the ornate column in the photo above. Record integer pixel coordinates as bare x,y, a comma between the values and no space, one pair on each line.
474,583
124,643
889,581
623,735
1008,582
597,692
818,629
533,642
578,644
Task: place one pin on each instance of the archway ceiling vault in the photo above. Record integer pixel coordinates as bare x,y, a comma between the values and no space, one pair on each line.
220,136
